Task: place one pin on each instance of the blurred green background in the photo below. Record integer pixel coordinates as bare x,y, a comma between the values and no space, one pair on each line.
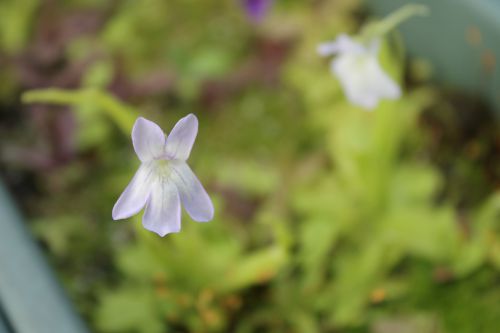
328,218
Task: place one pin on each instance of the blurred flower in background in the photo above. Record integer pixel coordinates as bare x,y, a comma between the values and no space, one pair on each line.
257,9
357,67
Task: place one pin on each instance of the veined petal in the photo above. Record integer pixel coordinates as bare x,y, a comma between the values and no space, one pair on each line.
181,139
163,210
148,140
135,195
193,196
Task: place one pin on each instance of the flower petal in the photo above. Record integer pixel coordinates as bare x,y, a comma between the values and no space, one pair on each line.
343,45
363,80
386,87
135,195
163,211
257,9
347,44
193,196
148,140
327,49
181,139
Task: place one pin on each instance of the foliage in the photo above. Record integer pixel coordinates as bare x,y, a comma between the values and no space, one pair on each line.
328,218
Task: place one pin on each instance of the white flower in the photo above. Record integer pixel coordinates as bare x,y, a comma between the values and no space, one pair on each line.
164,180
362,78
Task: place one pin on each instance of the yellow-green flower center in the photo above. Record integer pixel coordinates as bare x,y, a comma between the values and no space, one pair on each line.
162,168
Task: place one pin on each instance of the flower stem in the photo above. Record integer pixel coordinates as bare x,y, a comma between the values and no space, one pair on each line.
392,20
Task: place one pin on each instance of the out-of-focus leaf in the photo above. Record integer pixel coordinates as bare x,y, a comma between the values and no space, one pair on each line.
317,239
250,176
130,309
430,234
414,185
16,18
136,262
123,115
256,268
416,323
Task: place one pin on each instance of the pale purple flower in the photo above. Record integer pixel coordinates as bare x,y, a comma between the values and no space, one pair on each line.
357,67
164,180
257,9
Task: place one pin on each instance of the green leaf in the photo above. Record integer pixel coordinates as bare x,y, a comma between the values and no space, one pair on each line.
122,115
257,268
129,310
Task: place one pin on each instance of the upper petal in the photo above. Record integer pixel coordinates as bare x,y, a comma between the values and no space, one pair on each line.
148,140
327,49
347,44
342,45
193,196
163,211
135,195
181,138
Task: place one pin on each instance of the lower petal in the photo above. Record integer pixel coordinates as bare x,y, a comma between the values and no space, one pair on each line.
135,195
384,85
163,211
193,196
364,81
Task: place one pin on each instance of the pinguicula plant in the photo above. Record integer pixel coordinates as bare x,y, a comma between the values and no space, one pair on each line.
164,179
357,65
